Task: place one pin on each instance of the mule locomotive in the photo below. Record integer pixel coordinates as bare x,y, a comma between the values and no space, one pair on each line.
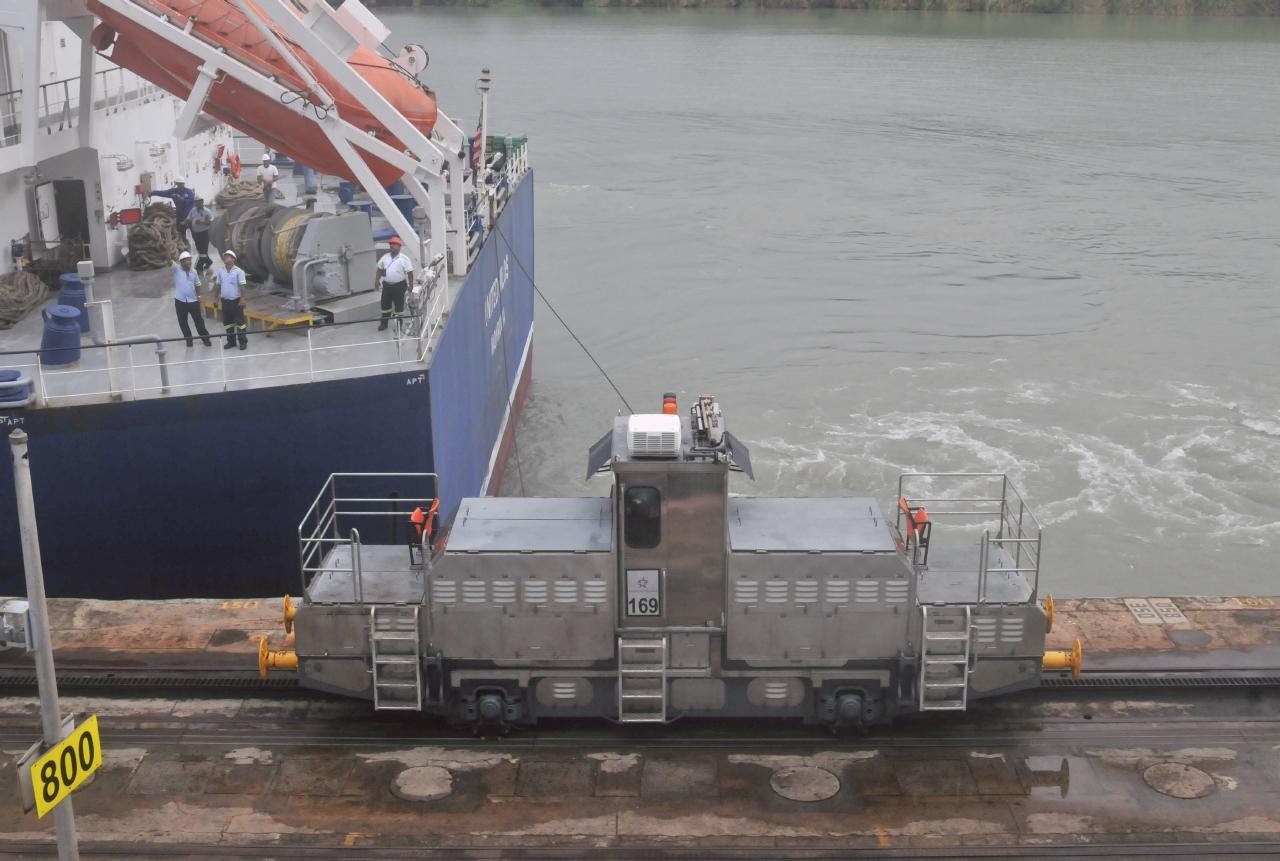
670,597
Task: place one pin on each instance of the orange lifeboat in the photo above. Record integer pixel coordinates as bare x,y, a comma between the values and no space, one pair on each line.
221,24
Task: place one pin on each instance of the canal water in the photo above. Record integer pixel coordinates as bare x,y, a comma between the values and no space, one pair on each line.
1039,245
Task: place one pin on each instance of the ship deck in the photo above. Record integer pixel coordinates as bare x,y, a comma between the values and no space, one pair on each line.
142,304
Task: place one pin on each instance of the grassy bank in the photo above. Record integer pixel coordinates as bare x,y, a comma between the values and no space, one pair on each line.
1101,7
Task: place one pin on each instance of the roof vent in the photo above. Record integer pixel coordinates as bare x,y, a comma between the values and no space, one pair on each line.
653,436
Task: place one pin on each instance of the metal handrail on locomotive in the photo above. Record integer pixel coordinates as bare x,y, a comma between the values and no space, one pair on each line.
670,598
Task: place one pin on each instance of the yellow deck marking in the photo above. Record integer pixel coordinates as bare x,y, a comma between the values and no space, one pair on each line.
883,835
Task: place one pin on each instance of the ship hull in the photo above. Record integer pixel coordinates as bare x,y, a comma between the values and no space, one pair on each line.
201,496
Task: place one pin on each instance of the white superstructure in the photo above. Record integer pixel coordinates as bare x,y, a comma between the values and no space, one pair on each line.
75,127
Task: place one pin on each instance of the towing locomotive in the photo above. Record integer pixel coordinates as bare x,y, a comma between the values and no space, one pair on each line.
670,597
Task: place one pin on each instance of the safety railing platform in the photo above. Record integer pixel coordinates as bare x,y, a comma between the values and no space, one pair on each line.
1002,562
358,544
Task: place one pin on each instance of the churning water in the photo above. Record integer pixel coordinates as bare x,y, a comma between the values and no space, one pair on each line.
1039,245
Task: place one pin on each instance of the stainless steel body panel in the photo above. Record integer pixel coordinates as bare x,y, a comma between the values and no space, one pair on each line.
802,524
522,606
495,524
818,607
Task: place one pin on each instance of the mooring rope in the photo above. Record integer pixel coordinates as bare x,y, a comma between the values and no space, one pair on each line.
147,238
19,293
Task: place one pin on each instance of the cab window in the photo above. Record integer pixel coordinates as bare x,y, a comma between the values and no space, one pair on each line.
642,517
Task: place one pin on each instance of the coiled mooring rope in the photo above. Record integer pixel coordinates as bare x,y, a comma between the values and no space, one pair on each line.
238,189
147,239
19,293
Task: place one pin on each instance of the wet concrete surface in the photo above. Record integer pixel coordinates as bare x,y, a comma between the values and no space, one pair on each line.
1073,769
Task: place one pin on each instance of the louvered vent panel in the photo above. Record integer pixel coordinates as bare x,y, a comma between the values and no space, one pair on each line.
775,591
837,591
1011,629
651,444
566,591
985,629
473,592
806,591
534,591
444,591
504,591
564,690
775,691
595,592
866,591
746,591
896,591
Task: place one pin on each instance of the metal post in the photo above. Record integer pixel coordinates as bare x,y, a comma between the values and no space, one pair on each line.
64,821
85,120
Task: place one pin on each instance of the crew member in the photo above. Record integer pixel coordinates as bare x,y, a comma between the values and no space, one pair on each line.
267,176
395,276
231,284
183,199
201,220
186,295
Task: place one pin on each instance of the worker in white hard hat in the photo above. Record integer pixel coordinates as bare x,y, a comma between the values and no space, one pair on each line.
267,176
186,295
183,199
231,287
395,277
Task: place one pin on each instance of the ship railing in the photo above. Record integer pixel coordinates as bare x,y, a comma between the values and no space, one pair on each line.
59,105
118,87
1010,539
10,118
380,504
430,310
149,370
113,89
519,162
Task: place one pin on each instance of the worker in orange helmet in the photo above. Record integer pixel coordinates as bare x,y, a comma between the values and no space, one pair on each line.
395,277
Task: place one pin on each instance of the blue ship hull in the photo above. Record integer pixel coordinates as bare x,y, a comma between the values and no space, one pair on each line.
201,496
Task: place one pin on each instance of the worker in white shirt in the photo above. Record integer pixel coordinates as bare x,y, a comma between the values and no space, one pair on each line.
231,285
395,276
267,176
186,295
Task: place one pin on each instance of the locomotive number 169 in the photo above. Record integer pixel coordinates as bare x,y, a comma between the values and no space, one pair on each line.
643,595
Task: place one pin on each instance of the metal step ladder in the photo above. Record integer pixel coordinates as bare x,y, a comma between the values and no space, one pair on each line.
642,680
944,659
395,649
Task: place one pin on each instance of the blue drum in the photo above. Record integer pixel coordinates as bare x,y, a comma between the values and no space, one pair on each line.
71,293
404,203
12,394
60,346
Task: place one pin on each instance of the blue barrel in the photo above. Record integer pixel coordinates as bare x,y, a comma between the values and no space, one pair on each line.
395,188
404,203
60,346
346,192
71,293
11,394
365,206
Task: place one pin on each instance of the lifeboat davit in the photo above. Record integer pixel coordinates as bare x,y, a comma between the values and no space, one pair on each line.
221,23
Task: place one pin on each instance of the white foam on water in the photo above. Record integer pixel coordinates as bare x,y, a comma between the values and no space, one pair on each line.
1209,473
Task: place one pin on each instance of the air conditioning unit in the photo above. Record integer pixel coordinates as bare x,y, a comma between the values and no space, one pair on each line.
653,436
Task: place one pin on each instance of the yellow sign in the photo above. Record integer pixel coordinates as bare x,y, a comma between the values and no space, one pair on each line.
56,775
